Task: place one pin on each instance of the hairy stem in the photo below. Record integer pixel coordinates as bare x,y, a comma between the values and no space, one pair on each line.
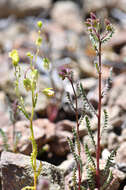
33,142
78,136
99,120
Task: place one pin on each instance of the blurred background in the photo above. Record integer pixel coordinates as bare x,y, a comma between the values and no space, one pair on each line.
65,41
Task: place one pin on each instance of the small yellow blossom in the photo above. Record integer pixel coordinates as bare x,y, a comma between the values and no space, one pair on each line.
48,92
14,56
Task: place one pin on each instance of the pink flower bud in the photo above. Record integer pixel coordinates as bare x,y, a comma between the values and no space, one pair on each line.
93,16
107,22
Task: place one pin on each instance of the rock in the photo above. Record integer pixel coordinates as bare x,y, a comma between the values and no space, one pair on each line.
86,67
88,83
19,167
123,134
44,133
4,112
90,6
121,154
23,8
112,141
105,154
121,4
67,14
63,130
67,166
118,40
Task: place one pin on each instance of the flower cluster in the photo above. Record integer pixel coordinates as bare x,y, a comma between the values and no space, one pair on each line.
65,72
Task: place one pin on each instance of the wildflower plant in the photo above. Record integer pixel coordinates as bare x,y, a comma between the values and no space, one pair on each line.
97,38
30,83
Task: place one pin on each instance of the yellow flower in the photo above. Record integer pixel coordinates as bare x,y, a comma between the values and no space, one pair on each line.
48,92
14,56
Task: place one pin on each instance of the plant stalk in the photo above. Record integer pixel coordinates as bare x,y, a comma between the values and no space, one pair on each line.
78,136
99,120
33,142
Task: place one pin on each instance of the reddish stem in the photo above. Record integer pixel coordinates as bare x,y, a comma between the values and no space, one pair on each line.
78,137
99,121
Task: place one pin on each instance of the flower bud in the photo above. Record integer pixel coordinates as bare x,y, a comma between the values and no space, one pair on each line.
48,92
93,16
39,41
46,63
15,57
107,22
27,84
39,23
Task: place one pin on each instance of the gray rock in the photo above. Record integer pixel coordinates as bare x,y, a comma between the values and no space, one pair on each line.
67,14
121,153
23,8
17,172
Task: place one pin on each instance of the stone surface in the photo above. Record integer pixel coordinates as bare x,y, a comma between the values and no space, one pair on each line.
63,130
23,8
17,172
113,141
121,154
69,15
44,133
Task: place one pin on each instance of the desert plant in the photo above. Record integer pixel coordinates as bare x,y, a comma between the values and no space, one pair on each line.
30,83
93,169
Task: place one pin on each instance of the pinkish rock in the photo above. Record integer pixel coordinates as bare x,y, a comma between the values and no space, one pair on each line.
63,130
44,132
121,153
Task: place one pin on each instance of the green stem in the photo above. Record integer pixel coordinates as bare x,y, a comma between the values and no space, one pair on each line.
33,143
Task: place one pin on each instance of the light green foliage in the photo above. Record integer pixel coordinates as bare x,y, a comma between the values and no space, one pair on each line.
87,105
91,177
39,41
70,101
108,181
74,178
46,63
109,161
5,140
89,157
30,82
105,119
90,131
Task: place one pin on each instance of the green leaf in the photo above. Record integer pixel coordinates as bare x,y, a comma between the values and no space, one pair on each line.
108,181
90,131
24,112
89,157
86,103
109,162
5,140
27,84
39,169
39,41
46,63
